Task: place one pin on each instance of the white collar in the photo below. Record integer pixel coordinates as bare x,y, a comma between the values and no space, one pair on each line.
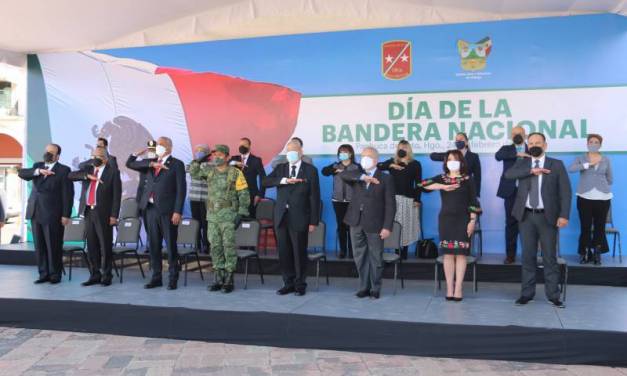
541,159
164,158
297,163
50,166
245,156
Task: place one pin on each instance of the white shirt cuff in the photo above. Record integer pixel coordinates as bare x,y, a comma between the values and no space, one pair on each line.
283,181
586,165
36,172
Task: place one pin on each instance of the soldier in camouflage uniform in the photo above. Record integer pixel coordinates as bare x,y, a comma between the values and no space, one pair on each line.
227,203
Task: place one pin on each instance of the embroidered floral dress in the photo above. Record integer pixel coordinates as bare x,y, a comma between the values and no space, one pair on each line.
455,213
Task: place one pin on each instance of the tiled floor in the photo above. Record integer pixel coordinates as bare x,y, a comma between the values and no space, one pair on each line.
588,307
37,352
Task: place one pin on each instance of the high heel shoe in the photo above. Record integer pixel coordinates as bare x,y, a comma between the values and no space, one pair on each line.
458,299
450,298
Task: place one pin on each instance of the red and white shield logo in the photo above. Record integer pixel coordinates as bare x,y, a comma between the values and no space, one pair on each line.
396,59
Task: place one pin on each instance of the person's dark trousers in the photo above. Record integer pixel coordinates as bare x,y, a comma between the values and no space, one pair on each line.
252,209
368,252
99,245
592,213
292,255
534,227
160,228
48,249
511,227
199,213
343,230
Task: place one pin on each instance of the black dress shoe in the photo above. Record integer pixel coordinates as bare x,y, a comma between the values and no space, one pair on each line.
523,300
41,280
172,285
557,303
106,282
285,290
54,281
300,292
362,293
215,287
153,284
509,260
375,294
91,282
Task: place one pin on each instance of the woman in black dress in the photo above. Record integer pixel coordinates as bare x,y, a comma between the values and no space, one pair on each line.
457,219
407,175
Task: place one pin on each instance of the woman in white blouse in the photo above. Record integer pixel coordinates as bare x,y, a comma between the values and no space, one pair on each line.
593,200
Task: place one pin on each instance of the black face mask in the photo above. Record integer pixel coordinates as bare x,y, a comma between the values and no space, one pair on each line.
98,162
460,144
518,139
48,157
401,153
536,151
243,149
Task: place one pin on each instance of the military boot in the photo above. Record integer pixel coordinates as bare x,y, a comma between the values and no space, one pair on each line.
218,281
228,285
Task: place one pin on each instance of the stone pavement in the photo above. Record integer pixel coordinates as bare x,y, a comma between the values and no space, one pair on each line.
42,352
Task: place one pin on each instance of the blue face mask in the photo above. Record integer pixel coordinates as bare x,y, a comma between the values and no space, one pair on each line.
292,156
344,156
520,148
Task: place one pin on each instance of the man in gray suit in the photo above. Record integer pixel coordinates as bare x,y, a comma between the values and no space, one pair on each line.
370,216
542,207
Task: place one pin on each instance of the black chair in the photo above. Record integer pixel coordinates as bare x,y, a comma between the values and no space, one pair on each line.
477,238
129,208
247,242
187,245
470,260
613,231
394,242
316,241
127,241
264,213
74,233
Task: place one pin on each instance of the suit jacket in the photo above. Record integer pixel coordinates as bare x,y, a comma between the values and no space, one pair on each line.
507,154
51,197
112,161
169,187
254,174
472,163
555,190
302,198
373,207
135,165
108,193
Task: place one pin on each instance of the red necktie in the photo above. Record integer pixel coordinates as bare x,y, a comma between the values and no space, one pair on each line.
91,198
158,169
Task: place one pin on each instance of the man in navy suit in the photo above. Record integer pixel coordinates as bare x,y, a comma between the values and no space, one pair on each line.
509,154
49,209
162,200
252,167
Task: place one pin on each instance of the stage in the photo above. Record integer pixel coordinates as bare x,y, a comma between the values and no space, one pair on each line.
592,329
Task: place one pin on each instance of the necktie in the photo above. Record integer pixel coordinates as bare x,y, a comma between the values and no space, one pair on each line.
293,173
91,198
158,169
534,194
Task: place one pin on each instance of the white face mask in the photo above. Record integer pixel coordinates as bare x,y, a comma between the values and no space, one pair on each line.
366,163
453,165
160,150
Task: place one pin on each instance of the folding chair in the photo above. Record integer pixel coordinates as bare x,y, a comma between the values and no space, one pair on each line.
612,230
75,233
187,246
394,242
316,241
264,213
470,260
477,238
247,236
129,208
127,234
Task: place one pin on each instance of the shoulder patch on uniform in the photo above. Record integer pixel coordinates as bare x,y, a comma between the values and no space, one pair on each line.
240,183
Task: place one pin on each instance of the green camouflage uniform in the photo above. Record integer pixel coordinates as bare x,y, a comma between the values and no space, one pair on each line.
228,197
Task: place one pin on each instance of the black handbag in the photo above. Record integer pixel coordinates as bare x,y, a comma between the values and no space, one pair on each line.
426,249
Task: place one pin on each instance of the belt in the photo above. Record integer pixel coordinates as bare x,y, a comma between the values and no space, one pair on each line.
220,205
535,211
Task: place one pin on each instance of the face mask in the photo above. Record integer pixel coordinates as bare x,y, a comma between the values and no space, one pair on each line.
48,157
401,153
536,151
460,144
366,163
200,155
344,157
453,165
151,155
292,156
518,139
593,148
97,162
160,150
243,149
218,161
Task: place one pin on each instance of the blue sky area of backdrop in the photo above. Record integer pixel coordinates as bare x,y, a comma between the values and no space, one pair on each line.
560,52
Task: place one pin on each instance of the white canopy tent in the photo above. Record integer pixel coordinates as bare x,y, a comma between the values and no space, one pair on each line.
34,26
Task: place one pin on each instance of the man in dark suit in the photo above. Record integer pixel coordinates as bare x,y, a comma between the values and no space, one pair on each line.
162,200
253,170
296,213
101,143
49,209
542,207
370,216
135,164
101,194
508,154
472,159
